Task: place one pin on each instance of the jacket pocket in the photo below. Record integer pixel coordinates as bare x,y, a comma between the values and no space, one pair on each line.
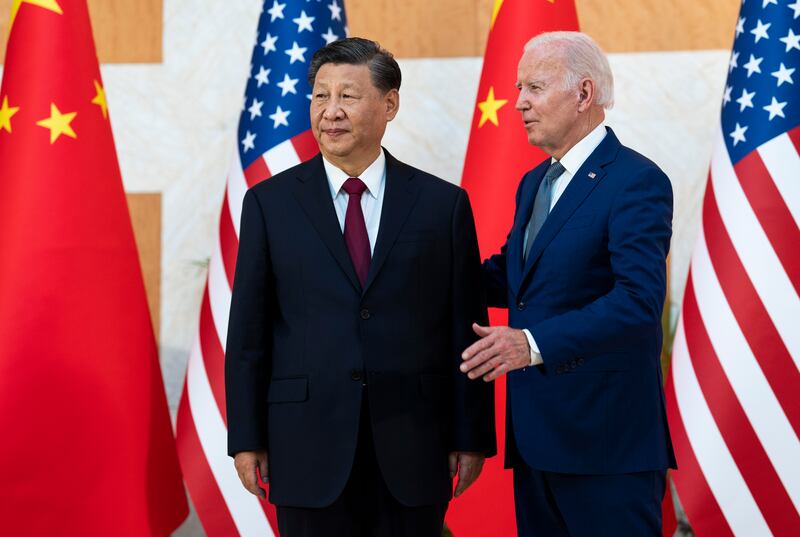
289,390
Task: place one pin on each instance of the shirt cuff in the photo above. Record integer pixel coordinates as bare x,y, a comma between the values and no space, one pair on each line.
536,357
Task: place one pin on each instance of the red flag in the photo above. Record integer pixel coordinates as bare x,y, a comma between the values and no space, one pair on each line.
498,155
87,442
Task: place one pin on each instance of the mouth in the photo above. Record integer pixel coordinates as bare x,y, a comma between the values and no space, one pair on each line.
334,133
530,122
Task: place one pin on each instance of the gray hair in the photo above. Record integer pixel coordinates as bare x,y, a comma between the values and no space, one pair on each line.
582,58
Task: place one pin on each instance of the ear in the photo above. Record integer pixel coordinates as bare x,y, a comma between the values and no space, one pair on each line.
392,102
586,94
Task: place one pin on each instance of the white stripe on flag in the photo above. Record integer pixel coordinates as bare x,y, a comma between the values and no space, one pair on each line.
754,249
219,294
281,157
244,508
744,373
782,162
237,186
718,467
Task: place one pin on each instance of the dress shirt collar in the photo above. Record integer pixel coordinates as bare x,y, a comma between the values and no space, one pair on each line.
371,177
577,155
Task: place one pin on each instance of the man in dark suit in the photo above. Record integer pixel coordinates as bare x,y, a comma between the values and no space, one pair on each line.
583,275
356,285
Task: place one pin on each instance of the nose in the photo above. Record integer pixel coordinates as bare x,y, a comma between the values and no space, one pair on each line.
522,103
333,110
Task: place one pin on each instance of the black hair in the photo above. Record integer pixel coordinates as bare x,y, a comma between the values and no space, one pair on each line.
383,68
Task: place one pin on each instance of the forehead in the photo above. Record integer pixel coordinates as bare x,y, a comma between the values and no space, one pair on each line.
343,74
540,63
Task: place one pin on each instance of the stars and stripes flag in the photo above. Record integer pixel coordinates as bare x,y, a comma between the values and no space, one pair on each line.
734,389
273,135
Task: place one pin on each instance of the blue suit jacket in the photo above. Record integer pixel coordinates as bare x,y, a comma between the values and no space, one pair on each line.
591,293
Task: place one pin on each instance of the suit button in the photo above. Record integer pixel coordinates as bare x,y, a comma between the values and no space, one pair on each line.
521,306
560,369
573,364
365,314
355,374
580,361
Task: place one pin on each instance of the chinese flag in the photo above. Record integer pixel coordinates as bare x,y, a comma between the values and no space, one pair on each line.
87,443
498,155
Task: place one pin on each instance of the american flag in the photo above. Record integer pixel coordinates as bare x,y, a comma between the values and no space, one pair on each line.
734,391
273,135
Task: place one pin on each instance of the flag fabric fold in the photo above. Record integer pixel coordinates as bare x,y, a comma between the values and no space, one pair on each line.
733,396
88,446
273,134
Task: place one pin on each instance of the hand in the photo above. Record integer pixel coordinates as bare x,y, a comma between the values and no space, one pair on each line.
247,464
468,465
501,349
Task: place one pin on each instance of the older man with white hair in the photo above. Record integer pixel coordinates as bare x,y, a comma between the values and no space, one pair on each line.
583,275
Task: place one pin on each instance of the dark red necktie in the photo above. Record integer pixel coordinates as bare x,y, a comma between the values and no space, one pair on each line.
355,229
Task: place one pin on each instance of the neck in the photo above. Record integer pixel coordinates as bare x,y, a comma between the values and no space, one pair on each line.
354,165
579,131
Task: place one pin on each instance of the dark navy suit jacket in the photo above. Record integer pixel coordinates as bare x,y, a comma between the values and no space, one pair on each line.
304,337
591,293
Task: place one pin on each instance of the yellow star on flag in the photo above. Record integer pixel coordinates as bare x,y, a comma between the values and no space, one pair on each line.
52,5
6,113
58,123
489,108
100,98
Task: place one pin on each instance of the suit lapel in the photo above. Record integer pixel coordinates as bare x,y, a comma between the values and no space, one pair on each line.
314,195
398,199
516,242
585,180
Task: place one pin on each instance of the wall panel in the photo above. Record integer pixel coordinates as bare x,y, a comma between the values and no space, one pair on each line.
145,209
125,31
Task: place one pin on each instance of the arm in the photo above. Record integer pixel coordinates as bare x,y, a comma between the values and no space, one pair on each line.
473,421
639,231
640,227
247,356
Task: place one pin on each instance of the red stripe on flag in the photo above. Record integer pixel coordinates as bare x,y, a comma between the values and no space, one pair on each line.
229,242
206,496
213,355
742,441
794,136
764,340
305,145
269,509
698,501
772,212
256,172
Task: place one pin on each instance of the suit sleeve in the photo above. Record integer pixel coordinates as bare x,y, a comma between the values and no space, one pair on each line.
474,428
639,231
248,349
494,273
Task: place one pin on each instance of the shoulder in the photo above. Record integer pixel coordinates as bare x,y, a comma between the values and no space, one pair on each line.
282,182
430,184
632,170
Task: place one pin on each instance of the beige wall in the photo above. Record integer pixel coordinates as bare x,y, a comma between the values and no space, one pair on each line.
446,28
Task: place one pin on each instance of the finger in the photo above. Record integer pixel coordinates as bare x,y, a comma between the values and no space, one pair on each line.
497,372
482,331
490,362
479,358
252,483
476,347
464,478
263,469
452,460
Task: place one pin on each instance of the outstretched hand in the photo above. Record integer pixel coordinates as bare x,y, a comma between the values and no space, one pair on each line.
501,349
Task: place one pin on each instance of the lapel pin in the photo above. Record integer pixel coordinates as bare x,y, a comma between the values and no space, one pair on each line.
592,175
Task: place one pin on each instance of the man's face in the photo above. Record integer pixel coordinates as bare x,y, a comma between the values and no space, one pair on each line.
348,113
549,111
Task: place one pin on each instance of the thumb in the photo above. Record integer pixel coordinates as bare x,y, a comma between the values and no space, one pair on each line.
482,331
453,462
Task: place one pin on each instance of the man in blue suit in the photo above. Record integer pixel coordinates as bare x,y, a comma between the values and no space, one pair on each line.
583,275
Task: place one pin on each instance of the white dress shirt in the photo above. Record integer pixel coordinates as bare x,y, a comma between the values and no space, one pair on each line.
572,161
371,200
